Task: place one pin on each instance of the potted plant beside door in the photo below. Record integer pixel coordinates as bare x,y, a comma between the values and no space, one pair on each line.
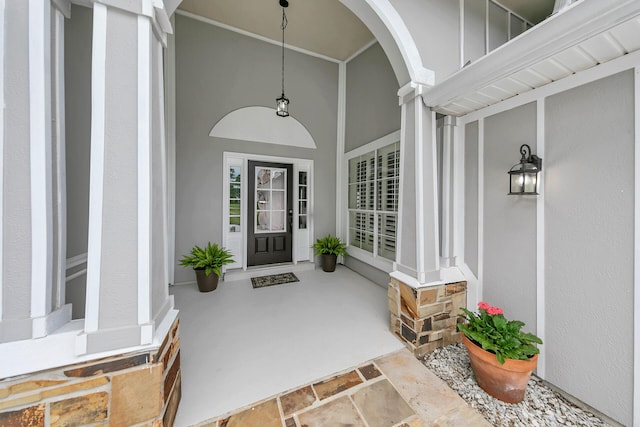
329,248
207,263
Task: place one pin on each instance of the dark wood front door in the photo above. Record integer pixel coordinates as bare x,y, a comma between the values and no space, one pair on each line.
270,213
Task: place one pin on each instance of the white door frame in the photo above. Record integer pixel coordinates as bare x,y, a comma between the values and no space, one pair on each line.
236,242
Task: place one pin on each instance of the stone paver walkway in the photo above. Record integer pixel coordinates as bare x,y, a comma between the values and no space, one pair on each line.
395,390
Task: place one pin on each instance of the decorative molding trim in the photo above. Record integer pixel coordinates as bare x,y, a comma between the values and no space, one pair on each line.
40,157
404,41
410,91
170,102
419,182
480,208
383,141
43,326
162,146
540,242
96,183
59,143
360,51
255,36
341,173
144,170
401,192
636,252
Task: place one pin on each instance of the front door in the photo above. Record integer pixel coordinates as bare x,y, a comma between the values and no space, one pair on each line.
269,234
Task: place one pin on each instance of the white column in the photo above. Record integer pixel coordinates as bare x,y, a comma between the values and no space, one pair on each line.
418,259
124,271
40,147
447,188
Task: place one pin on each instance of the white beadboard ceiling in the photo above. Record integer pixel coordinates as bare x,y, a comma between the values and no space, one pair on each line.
325,27
589,34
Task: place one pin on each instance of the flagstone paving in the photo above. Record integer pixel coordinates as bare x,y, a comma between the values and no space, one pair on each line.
395,390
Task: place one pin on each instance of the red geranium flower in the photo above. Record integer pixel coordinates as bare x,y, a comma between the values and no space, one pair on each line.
493,310
483,305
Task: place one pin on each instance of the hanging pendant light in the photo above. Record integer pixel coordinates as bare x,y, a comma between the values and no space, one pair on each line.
282,103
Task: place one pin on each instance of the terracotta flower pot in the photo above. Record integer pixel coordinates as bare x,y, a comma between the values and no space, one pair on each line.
206,283
506,382
328,262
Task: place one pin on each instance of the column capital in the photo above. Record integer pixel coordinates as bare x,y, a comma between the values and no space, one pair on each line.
410,91
450,121
152,9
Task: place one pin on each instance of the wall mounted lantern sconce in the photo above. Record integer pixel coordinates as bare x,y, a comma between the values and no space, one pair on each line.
282,103
524,178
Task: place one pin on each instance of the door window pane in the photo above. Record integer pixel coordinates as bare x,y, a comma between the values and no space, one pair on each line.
271,199
235,189
303,194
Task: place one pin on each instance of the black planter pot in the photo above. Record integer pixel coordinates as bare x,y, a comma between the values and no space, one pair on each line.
206,283
328,262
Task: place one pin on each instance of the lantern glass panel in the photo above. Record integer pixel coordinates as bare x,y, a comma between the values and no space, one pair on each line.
530,181
517,182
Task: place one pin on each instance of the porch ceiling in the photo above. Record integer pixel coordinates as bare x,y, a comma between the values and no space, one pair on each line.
588,34
325,27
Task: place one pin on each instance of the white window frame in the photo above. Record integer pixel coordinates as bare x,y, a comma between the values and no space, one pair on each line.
372,259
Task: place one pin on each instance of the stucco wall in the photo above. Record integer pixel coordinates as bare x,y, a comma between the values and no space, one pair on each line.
435,28
372,112
509,248
588,165
372,109
16,229
218,71
589,197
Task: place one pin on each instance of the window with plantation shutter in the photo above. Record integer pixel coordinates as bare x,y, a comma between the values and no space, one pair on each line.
373,200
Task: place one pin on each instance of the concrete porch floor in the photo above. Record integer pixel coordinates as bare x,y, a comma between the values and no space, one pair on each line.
241,345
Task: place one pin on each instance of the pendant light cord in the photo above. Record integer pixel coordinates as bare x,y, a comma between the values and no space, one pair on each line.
283,26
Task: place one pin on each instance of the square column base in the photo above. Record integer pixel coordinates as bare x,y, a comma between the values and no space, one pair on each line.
141,387
425,318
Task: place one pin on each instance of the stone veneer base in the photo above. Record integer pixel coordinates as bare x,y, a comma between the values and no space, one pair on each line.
425,318
141,388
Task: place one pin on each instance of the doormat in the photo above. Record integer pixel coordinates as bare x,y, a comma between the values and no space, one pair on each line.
274,279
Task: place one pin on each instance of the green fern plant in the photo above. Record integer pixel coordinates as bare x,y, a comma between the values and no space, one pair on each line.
330,245
211,258
491,331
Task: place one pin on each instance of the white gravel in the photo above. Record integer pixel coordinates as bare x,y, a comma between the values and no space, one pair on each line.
541,405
